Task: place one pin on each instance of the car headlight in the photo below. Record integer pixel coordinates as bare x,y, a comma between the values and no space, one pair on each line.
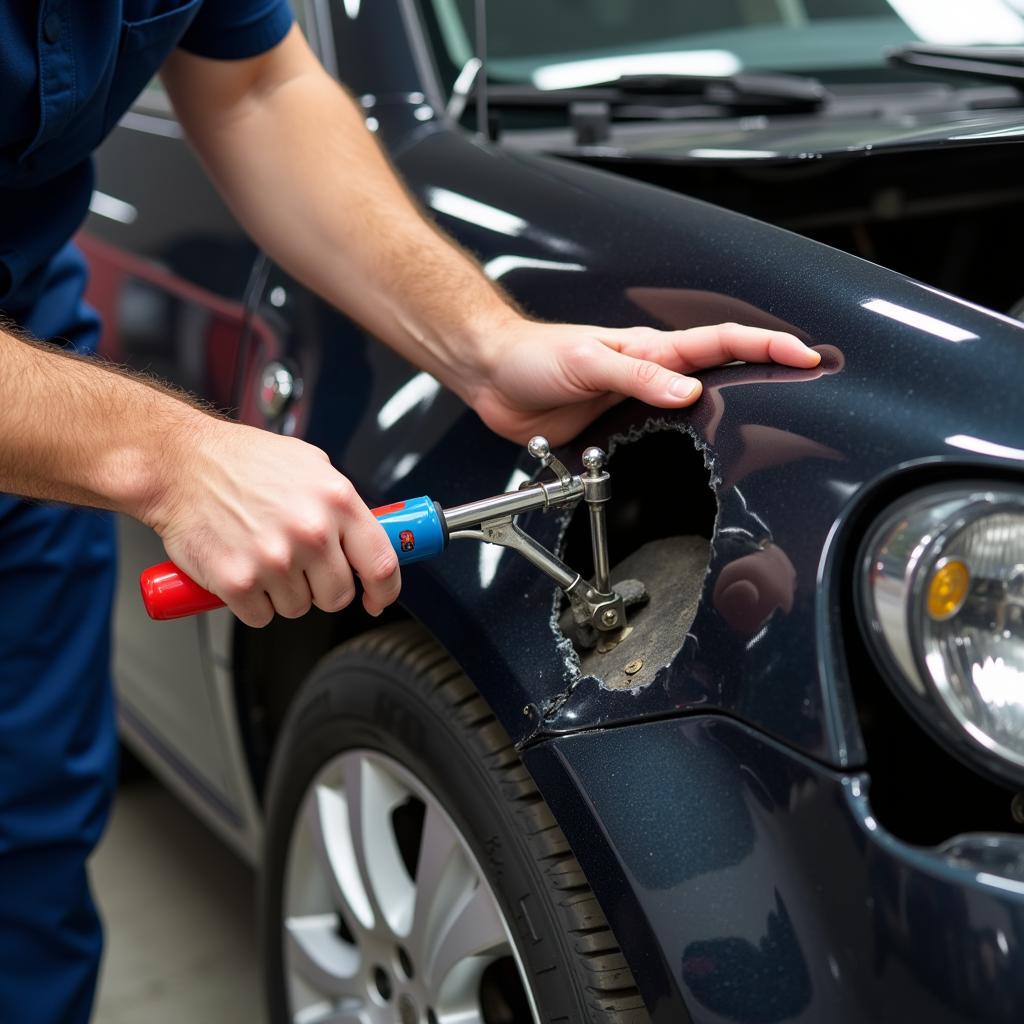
943,589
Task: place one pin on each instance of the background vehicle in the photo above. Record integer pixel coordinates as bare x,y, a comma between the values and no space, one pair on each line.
772,818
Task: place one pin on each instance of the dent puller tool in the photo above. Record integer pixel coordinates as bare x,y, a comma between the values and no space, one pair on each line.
419,528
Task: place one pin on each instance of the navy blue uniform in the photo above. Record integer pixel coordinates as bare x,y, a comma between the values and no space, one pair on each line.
68,71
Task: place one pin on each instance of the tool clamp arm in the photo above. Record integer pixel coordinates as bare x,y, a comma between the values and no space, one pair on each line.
493,521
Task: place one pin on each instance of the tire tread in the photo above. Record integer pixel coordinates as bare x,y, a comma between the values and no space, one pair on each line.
609,987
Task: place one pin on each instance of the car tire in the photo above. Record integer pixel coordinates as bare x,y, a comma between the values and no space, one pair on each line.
390,714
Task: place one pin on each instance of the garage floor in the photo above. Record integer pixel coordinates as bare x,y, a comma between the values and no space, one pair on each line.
178,907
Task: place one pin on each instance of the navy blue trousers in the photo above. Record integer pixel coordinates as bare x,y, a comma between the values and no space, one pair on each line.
58,744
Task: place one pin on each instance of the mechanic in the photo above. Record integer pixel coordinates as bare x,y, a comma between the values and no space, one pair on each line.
263,521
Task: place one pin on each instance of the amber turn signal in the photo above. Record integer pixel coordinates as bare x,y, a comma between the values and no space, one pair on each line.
947,589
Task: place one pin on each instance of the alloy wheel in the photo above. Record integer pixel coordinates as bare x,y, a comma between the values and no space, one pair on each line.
387,913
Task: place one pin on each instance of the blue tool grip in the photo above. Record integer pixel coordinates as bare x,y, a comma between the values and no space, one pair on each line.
415,527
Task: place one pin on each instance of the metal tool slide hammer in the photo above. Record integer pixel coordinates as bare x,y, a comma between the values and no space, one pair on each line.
419,528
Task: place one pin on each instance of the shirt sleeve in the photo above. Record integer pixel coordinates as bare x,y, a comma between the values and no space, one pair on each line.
234,29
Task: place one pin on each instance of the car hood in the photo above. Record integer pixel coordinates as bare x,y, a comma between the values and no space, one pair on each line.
795,139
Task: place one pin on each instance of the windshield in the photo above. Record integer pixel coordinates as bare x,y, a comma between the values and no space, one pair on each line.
555,44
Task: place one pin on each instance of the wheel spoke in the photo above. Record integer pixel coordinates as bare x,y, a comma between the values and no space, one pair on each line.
328,822
472,928
325,1015
371,795
458,1002
442,874
463,1016
314,951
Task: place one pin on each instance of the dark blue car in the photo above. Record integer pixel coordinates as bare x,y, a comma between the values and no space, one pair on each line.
790,789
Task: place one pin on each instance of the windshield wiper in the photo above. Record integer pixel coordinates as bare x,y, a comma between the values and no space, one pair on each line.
591,109
998,63
765,91
740,93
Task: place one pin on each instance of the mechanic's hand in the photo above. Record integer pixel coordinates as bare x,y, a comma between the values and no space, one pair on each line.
268,525
554,379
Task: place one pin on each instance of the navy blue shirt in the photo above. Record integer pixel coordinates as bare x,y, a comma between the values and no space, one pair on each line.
68,71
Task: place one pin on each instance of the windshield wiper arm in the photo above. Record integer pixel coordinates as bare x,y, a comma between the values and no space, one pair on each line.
740,93
785,92
999,63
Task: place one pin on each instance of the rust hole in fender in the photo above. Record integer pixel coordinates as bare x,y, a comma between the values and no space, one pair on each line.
661,518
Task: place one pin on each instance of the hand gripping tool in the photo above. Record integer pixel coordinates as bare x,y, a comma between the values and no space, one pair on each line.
419,528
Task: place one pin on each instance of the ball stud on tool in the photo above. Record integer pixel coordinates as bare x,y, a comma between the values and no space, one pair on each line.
597,491
594,460
538,447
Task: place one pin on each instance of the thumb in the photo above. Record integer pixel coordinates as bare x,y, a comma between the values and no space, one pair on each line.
639,378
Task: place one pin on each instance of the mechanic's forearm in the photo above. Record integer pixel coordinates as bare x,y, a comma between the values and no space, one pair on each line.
294,159
73,430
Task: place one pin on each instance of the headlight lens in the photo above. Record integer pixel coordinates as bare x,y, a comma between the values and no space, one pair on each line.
943,587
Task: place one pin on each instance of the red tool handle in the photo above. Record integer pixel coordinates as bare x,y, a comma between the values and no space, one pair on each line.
168,593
